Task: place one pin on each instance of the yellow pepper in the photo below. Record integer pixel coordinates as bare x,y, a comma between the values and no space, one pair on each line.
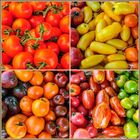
109,32
94,5
88,52
117,65
87,14
102,48
115,57
92,25
125,33
130,41
117,43
99,17
98,67
107,19
85,40
100,25
123,8
91,61
83,28
107,8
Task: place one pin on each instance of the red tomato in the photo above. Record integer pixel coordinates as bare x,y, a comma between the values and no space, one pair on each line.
63,42
134,31
31,46
53,46
66,9
12,46
56,32
73,129
74,90
6,32
22,25
53,18
36,20
45,58
23,60
7,18
46,28
58,4
5,58
38,6
65,61
21,9
64,24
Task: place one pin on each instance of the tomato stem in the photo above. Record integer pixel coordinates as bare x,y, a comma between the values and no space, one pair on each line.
42,64
29,65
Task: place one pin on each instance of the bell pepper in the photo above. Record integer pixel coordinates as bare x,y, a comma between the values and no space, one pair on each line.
94,5
85,40
123,8
136,116
109,32
100,25
116,57
102,48
87,14
91,61
107,8
125,33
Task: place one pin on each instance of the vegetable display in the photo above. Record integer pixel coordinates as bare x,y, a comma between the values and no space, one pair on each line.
35,35
35,104
104,104
105,35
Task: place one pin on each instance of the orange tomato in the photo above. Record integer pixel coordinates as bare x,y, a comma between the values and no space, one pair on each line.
131,54
15,126
49,76
29,136
35,125
44,135
134,31
24,76
133,65
37,78
26,104
50,116
35,92
50,90
40,107
28,114
131,20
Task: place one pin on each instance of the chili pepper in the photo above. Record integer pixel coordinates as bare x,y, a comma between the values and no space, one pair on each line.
87,14
100,25
125,33
94,5
88,52
116,57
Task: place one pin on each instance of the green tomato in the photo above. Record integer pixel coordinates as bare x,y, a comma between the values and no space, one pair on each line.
131,86
136,74
136,116
130,113
122,94
134,79
127,73
126,103
130,130
121,80
135,99
82,28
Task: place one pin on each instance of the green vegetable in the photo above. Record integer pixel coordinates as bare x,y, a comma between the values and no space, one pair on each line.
130,130
126,103
134,79
130,113
131,86
121,80
122,94
135,99
136,116
136,74
119,72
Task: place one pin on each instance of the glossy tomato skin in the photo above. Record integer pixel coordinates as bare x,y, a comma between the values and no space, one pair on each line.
46,57
36,20
21,24
65,61
22,60
63,42
66,9
38,6
9,43
5,58
64,24
7,18
56,32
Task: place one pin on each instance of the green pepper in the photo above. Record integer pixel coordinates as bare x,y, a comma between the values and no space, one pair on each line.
135,99
122,94
131,86
126,103
136,74
121,80
136,116
130,130
130,113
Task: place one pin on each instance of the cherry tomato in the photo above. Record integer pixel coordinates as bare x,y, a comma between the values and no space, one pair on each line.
56,32
74,90
12,46
53,46
45,58
5,58
38,6
64,24
23,60
7,18
66,8
65,61
22,25
63,42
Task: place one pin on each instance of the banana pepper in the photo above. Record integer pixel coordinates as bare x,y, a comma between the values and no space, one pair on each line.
94,5
87,14
100,25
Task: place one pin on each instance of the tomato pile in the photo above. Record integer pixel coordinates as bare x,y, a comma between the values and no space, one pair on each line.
35,104
104,35
35,35
104,103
